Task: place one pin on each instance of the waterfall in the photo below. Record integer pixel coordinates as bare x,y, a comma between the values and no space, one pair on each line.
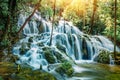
68,41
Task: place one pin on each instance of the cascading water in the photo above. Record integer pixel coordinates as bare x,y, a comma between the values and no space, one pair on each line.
68,41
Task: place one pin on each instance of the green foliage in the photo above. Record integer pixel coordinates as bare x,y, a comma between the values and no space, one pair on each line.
65,68
46,11
108,18
1,78
4,8
110,33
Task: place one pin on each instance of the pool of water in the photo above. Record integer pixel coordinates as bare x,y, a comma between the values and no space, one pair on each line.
95,71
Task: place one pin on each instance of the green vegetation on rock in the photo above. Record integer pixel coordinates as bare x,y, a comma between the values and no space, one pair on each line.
65,68
52,56
49,56
103,57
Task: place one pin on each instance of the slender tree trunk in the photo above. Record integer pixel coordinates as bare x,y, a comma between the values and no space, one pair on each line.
84,18
22,27
7,23
52,23
12,5
115,23
93,16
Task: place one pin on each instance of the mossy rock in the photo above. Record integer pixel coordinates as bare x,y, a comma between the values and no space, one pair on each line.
23,50
52,56
103,57
61,48
49,55
28,44
30,39
40,44
65,68
46,48
59,57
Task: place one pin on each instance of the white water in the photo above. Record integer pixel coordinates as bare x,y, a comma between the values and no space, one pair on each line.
78,46
111,60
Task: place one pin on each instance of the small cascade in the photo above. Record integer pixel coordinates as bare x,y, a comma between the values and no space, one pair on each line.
68,43
76,49
111,60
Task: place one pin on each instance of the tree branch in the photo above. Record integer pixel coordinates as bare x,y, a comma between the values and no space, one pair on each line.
22,27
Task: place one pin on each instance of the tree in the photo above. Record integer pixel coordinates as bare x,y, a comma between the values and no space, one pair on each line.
36,8
52,23
7,19
115,23
93,15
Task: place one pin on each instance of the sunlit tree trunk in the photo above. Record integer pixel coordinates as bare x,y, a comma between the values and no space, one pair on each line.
93,16
52,23
115,23
84,15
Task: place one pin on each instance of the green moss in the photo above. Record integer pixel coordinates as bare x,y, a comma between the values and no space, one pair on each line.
49,55
61,48
1,78
59,57
23,51
65,68
34,75
113,77
103,57
8,71
40,44
30,39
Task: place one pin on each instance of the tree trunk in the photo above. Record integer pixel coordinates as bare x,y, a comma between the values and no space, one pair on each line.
52,24
12,5
93,16
115,23
37,6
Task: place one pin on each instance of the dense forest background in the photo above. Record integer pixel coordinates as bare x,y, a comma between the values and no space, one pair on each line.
90,16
